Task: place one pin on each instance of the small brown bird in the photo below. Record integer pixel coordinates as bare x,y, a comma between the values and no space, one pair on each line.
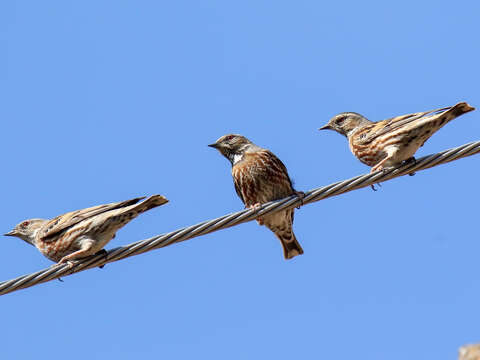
469,352
390,142
259,177
81,233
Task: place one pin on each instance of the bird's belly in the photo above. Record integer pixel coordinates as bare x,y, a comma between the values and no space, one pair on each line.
279,221
100,242
258,184
58,249
403,153
259,195
404,146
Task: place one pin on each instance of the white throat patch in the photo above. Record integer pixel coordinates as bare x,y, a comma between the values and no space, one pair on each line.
237,158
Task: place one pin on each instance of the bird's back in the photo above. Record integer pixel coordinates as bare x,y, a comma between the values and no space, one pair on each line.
433,119
67,220
406,133
97,224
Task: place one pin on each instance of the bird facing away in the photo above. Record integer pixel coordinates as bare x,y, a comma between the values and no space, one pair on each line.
390,142
81,233
259,177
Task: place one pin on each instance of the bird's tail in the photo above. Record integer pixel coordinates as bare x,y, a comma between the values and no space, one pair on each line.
150,203
280,224
291,247
452,113
119,217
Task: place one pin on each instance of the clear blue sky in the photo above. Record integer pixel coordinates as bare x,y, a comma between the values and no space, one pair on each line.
107,100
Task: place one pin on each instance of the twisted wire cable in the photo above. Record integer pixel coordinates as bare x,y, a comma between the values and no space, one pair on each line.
229,220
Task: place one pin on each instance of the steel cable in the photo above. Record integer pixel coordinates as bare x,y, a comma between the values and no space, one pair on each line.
229,220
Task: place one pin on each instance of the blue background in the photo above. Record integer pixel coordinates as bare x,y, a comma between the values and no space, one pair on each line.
107,100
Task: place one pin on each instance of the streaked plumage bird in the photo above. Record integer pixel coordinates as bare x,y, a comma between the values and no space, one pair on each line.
469,352
390,142
259,177
81,233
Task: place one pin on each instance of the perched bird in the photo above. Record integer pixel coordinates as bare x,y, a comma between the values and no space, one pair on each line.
259,177
469,352
81,233
390,142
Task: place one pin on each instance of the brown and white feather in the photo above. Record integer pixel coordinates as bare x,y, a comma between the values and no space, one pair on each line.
392,141
259,177
83,232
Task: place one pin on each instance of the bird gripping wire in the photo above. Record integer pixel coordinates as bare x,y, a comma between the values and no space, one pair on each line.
229,220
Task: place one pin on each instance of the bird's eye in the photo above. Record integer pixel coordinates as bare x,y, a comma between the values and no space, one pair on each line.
339,121
25,223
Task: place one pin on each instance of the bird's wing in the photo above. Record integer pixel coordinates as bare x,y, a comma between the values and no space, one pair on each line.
236,182
51,228
275,171
388,125
277,163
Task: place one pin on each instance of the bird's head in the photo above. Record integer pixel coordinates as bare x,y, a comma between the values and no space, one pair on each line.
346,123
232,146
26,230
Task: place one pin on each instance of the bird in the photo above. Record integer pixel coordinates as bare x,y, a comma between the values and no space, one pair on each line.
84,232
469,352
259,177
393,141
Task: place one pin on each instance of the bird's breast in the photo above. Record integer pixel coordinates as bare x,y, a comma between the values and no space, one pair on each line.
260,178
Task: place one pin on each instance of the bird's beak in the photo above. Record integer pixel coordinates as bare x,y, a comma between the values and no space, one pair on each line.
214,145
325,127
11,233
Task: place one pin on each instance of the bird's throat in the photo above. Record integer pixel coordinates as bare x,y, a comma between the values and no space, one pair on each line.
235,158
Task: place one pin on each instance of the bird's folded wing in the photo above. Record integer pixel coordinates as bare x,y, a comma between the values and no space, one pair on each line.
388,125
67,220
237,182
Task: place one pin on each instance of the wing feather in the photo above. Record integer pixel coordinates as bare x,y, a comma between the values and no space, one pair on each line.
62,222
388,125
238,186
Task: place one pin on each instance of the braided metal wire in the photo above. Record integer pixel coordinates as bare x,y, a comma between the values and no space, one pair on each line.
226,221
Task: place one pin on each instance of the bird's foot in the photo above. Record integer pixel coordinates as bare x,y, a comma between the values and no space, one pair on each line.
105,255
255,206
65,260
301,196
376,168
410,161
68,262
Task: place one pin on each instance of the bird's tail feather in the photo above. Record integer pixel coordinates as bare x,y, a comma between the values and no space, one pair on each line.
291,247
454,112
150,203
